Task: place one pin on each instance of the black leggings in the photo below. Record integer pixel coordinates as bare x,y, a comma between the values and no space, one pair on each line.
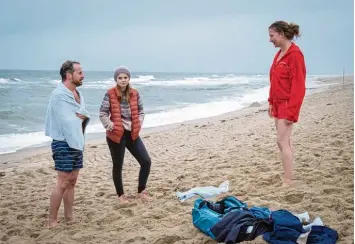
137,149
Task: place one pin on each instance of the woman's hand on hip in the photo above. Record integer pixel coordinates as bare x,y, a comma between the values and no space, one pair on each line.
270,111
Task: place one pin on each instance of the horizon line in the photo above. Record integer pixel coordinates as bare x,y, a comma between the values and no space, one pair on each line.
182,72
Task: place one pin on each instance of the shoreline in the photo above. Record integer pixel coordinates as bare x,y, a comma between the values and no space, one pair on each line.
98,138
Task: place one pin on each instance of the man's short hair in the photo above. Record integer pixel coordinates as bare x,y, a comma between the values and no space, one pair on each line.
67,66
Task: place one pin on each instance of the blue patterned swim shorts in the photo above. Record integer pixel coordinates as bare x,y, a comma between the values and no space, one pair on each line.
66,158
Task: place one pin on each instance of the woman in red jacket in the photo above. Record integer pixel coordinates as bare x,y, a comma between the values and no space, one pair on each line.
287,88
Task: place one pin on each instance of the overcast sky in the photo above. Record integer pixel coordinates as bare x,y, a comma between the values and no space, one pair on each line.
172,36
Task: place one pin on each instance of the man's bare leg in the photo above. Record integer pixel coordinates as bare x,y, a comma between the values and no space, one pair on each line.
56,197
283,141
68,196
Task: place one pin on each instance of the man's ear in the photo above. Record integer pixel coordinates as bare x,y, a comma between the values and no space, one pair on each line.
69,76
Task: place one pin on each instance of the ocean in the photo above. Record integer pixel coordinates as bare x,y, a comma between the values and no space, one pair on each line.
167,98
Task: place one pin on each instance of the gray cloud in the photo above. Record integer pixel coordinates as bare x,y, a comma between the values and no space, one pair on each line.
187,36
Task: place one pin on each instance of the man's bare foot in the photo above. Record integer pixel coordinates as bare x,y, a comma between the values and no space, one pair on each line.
144,196
123,199
69,219
52,223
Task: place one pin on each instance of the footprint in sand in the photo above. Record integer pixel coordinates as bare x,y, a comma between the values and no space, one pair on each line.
72,232
317,208
294,197
268,180
25,206
137,239
87,202
14,232
337,143
6,205
5,238
42,215
127,212
168,239
331,190
345,215
180,177
111,196
209,242
172,209
266,169
147,223
342,169
100,194
34,235
21,217
156,215
350,200
120,206
29,174
224,167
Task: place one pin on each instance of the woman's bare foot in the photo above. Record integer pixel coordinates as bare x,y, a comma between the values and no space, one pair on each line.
287,183
123,199
144,196
52,223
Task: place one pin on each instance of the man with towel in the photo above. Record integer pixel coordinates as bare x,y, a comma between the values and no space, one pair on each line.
66,121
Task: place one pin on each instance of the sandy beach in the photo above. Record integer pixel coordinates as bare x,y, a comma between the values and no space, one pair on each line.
239,147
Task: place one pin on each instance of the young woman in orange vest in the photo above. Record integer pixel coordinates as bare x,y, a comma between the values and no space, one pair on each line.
122,115
287,89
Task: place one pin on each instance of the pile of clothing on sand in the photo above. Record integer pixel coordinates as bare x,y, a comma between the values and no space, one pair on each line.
232,221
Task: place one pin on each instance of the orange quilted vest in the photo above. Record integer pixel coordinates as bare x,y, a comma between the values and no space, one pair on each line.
115,110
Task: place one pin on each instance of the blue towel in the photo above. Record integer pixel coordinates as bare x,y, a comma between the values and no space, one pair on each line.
62,122
287,228
322,235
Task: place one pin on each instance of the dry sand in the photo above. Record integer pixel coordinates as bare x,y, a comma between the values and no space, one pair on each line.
240,147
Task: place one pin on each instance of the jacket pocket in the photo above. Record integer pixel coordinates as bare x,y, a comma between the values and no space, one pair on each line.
283,70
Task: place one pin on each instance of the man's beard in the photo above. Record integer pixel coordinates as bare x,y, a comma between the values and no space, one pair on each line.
77,82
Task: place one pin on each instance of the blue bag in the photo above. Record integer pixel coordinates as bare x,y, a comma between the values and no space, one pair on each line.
206,214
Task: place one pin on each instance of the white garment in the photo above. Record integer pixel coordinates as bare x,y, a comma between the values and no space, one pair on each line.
303,217
204,192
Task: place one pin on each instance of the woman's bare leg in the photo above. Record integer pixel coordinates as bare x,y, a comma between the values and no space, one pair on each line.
284,130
